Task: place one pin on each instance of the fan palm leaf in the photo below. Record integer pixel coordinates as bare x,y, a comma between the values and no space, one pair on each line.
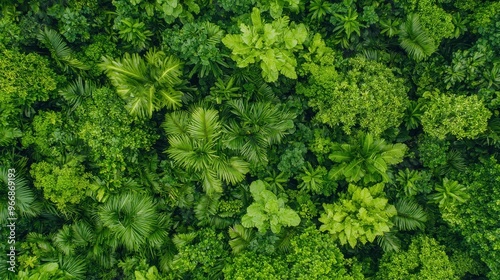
73,267
76,91
256,127
232,169
24,198
7,134
63,240
131,218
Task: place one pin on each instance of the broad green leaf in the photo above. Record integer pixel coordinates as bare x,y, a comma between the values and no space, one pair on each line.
256,189
288,217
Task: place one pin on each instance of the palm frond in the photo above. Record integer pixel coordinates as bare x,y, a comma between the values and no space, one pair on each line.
415,40
147,85
211,184
159,235
176,123
410,215
389,242
240,238
231,170
206,209
182,239
204,124
7,134
60,50
130,218
25,196
76,91
170,69
82,234
55,43
454,161
63,240
74,267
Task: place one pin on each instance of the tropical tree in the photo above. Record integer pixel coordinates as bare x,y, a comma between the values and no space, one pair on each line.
146,84
359,94
424,259
318,9
312,178
195,144
365,158
252,127
134,32
458,115
347,25
408,180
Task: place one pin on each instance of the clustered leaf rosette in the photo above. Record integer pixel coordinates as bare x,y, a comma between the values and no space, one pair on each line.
360,215
271,44
268,210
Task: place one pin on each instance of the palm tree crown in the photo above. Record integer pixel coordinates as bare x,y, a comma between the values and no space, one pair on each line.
148,84
366,158
195,145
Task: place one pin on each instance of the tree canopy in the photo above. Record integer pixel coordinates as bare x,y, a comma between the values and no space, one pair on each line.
249,139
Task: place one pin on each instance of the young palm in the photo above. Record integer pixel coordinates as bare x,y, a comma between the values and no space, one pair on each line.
131,218
146,84
253,127
365,158
195,145
415,40
449,194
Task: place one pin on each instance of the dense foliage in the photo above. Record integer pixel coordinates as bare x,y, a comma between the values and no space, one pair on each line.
249,139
